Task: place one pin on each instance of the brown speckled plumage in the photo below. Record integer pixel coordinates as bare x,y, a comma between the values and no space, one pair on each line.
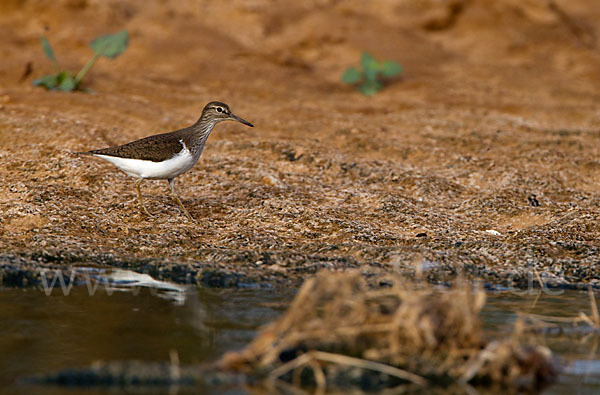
161,147
157,148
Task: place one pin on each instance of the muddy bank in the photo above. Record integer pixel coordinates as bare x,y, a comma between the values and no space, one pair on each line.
482,159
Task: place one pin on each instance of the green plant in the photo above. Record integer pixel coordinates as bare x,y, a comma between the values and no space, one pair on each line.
109,46
372,73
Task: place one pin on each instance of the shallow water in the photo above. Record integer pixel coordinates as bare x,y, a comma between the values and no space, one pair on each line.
578,353
135,317
42,333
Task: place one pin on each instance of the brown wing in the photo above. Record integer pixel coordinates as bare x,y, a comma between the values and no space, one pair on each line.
155,148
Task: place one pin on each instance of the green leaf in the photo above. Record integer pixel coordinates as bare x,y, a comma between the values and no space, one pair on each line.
63,81
49,52
351,76
48,81
111,45
391,69
47,48
371,75
370,66
367,61
370,87
66,82
372,71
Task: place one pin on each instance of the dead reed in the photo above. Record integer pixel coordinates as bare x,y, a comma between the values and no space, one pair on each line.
340,333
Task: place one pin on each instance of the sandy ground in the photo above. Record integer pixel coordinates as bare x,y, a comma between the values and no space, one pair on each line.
482,159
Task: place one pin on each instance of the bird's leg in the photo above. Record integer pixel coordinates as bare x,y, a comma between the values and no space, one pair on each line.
174,194
143,208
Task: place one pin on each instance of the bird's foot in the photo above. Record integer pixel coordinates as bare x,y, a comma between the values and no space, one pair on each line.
189,216
144,210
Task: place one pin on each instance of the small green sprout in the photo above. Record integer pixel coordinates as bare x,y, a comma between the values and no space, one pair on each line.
371,74
109,46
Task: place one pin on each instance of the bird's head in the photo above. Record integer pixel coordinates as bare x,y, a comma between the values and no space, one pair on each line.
217,112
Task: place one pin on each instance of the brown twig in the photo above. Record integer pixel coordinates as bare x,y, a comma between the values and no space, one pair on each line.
369,365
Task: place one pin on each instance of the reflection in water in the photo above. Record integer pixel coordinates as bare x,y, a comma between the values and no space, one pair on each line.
126,317
114,315
129,281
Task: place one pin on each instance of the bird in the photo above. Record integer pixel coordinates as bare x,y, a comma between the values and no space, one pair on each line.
167,155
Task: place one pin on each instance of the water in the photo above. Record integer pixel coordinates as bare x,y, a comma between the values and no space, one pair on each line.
139,318
42,334
579,353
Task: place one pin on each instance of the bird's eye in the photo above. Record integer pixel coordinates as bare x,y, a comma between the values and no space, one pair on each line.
219,109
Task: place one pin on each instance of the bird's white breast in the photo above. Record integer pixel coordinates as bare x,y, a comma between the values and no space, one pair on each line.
170,168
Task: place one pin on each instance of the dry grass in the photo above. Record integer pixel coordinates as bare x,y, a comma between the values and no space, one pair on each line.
338,332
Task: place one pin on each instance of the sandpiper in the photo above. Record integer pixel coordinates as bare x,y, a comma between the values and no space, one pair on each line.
168,155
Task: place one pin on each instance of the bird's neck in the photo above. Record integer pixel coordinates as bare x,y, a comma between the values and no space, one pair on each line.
201,131
204,126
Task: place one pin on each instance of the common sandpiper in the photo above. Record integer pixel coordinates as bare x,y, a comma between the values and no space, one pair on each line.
168,155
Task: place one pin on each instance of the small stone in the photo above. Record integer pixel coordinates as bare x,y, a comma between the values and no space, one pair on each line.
493,232
271,180
276,268
532,199
293,154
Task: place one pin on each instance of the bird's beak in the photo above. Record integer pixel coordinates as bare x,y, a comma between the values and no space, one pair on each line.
236,118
